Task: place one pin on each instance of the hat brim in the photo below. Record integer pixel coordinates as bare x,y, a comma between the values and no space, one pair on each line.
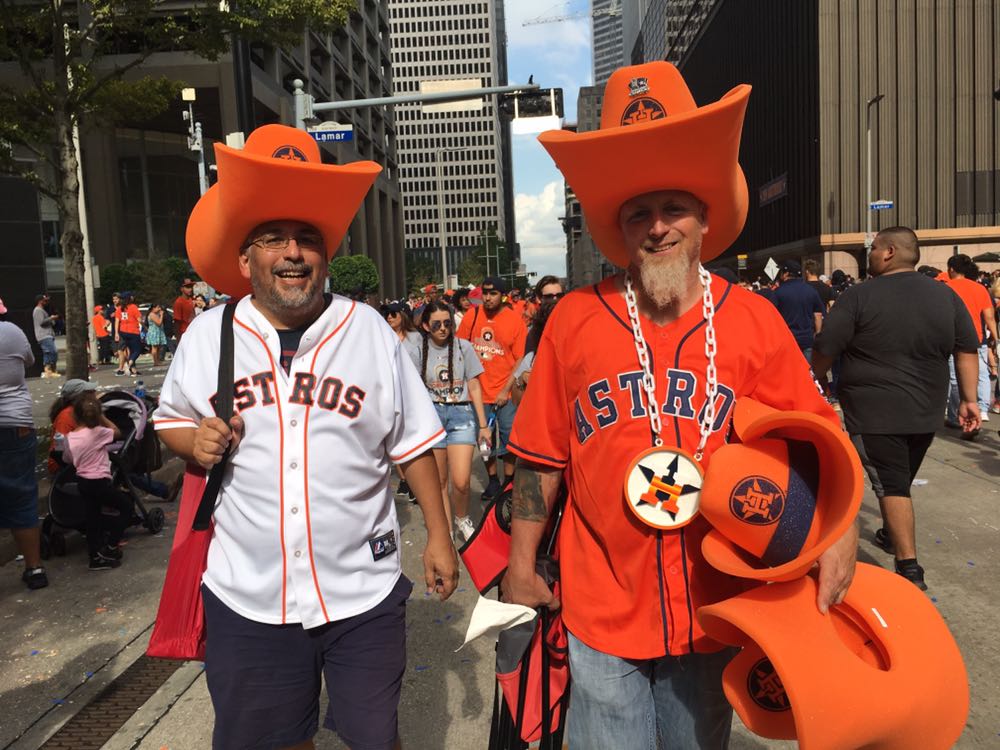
255,189
696,152
838,497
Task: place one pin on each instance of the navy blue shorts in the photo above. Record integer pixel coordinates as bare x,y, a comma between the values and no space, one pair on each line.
18,485
265,679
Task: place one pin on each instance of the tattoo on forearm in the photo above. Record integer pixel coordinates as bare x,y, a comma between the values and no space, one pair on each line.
528,502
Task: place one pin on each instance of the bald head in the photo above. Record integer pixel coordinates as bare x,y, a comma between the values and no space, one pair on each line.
894,249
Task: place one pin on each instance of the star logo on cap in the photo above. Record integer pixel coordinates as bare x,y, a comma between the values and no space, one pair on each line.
643,110
765,687
289,153
757,501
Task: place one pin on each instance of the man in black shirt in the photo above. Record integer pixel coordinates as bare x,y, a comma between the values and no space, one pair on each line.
895,334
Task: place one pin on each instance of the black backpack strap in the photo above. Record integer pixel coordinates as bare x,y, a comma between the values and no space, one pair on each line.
224,411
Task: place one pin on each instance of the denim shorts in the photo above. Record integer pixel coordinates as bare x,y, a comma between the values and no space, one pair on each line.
459,422
18,486
265,680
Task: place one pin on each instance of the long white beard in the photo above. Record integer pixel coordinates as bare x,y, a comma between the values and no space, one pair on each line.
665,280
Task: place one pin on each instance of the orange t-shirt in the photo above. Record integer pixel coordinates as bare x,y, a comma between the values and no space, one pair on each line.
183,314
499,342
976,300
628,589
100,326
128,319
64,423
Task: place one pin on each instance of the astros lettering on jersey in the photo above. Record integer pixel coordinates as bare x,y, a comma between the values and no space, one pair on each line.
628,589
305,527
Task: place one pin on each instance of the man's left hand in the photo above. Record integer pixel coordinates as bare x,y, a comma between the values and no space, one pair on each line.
440,567
836,569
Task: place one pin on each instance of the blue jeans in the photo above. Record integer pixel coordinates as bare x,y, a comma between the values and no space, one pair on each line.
982,387
674,702
49,354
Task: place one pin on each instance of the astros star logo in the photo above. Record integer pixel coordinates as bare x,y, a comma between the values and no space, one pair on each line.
757,501
662,488
289,153
643,110
764,686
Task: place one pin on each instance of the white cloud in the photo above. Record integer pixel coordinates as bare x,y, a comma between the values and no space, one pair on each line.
539,231
557,44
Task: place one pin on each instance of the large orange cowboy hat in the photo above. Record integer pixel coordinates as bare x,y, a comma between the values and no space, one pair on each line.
654,137
278,175
779,497
881,670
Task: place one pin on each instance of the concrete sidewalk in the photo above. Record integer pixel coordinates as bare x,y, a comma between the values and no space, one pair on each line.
62,644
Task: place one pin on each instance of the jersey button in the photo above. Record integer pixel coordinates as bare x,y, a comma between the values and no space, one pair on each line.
298,553
294,465
673,570
294,422
295,509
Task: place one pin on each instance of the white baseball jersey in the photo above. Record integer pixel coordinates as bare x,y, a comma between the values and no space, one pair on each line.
305,526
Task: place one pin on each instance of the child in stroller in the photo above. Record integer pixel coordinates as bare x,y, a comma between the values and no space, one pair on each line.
126,455
87,449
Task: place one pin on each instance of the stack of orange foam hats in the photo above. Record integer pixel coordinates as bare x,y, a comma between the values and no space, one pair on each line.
778,495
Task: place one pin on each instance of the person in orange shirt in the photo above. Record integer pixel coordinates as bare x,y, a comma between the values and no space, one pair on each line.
962,272
625,371
127,317
102,330
498,335
183,309
517,304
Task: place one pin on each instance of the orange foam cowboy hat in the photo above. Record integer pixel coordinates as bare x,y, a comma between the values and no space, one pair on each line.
278,175
779,497
881,670
654,137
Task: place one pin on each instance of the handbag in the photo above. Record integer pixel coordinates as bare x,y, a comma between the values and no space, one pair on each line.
179,630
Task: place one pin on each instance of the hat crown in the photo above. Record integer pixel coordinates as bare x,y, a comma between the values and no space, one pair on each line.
640,94
283,142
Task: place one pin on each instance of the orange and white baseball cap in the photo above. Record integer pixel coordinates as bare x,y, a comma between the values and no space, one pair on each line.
278,175
654,137
881,670
779,497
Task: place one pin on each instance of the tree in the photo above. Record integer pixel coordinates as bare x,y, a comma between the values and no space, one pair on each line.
80,65
419,273
351,275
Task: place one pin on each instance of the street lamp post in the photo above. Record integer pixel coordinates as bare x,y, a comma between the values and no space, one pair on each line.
194,137
868,206
442,227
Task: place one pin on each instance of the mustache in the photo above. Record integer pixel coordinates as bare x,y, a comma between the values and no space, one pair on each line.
292,267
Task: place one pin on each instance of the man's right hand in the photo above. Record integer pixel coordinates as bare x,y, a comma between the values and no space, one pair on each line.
528,589
212,437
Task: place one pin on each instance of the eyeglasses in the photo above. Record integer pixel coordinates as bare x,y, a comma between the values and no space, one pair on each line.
275,243
553,296
437,325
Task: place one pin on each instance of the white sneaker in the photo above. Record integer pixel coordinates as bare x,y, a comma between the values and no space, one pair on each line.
465,528
986,416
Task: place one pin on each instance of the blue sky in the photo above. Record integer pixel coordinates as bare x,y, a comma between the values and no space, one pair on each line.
557,55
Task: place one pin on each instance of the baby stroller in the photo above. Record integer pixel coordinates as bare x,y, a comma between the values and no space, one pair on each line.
136,452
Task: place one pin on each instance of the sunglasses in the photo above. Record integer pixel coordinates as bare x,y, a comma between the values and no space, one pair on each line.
392,312
276,243
437,325
553,296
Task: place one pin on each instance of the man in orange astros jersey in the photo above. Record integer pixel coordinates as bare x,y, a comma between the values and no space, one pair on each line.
644,369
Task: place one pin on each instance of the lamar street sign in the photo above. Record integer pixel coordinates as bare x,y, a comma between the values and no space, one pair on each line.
331,132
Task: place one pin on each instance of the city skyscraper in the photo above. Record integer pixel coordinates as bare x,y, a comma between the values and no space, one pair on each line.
607,31
453,158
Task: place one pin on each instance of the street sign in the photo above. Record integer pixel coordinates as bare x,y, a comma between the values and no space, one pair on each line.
881,205
332,132
741,262
771,269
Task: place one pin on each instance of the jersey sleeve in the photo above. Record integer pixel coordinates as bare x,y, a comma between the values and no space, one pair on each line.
416,426
542,427
175,409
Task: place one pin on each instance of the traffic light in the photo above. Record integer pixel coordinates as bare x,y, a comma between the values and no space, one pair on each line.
538,103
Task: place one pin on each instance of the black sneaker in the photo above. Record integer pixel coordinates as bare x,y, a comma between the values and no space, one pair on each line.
883,540
35,578
912,572
100,562
492,490
111,552
403,488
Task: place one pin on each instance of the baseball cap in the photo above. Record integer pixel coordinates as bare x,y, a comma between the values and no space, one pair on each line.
430,288
494,282
98,308
40,297
791,266
187,282
75,386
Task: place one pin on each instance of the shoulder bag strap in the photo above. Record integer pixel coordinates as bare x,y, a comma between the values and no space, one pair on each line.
224,411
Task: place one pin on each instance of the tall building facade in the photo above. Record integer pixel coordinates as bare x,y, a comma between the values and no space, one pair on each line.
141,181
663,29
607,31
935,129
455,161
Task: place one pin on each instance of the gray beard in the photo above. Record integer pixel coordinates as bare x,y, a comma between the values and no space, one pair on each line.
664,281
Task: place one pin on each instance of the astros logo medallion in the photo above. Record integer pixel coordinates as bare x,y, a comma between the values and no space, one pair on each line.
765,688
757,501
288,153
662,487
643,110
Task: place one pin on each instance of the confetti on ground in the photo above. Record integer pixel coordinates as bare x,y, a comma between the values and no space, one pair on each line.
421,667
937,541
447,617
461,589
971,564
101,609
58,701
35,652
466,661
88,675
427,593
439,621
919,482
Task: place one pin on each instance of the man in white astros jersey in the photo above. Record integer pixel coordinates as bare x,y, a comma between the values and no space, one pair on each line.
303,571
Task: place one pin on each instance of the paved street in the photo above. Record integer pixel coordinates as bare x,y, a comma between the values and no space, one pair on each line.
64,644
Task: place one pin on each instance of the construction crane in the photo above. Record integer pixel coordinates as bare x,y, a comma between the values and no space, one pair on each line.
614,9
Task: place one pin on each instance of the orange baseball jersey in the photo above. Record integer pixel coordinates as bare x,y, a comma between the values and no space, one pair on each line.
976,299
499,342
629,589
128,319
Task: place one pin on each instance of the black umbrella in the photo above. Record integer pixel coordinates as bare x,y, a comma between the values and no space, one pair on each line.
987,258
